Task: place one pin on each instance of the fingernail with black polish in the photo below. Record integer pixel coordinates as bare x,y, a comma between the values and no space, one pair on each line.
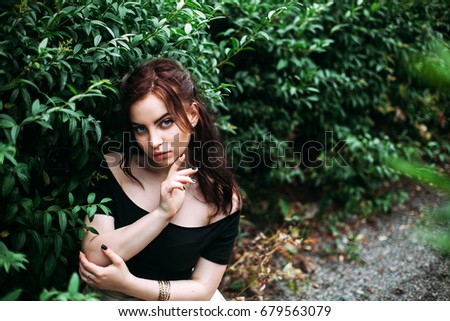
104,247
194,168
194,180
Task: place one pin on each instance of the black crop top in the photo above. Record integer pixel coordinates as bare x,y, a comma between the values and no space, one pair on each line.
173,254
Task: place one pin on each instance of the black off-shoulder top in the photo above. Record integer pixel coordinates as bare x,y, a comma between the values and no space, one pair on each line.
173,254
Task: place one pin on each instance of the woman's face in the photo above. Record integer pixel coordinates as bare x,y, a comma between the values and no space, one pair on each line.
156,132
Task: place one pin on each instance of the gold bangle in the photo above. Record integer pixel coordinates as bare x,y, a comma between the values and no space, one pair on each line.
164,290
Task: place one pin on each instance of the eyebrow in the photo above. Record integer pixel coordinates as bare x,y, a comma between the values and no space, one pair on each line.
156,121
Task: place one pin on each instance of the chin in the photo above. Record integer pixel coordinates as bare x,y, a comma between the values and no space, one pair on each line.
161,163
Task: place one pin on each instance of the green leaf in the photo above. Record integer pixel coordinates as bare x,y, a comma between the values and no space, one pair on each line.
285,208
421,173
39,241
237,285
98,131
74,284
102,24
47,221
49,266
15,133
91,229
71,198
72,89
46,178
187,28
54,208
105,200
7,121
282,64
77,48
12,296
265,35
97,40
43,44
180,5
58,242
91,210
8,184
62,218
44,124
27,82
70,112
20,240
91,198
105,209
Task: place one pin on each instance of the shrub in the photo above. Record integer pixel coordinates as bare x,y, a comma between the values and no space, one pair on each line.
333,84
60,64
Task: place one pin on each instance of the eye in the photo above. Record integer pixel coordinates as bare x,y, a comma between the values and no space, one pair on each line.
139,129
166,122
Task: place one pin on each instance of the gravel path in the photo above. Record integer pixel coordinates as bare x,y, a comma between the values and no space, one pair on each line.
396,266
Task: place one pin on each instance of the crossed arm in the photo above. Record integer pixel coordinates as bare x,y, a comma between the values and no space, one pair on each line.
116,276
106,269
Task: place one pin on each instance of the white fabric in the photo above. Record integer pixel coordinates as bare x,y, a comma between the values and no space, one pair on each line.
217,296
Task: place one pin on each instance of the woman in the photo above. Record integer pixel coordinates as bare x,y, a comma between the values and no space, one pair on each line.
175,204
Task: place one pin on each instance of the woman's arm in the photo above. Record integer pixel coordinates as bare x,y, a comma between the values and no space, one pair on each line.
126,241
129,240
116,276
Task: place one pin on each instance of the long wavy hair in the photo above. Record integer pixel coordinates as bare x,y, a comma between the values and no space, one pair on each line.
169,81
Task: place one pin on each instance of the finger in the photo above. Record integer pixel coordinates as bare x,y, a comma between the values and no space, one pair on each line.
185,180
82,270
81,273
82,260
170,186
84,275
176,165
115,258
187,171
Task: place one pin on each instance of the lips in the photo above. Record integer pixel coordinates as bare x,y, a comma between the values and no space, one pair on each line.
160,155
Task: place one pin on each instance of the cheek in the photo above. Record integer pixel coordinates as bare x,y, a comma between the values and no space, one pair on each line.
141,141
177,135
185,137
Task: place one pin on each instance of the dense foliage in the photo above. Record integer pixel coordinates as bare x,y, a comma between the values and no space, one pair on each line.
311,98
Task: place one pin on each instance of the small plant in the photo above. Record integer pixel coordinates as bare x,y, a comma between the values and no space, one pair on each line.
73,292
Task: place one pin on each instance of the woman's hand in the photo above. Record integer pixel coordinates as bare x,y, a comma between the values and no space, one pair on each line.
112,277
173,190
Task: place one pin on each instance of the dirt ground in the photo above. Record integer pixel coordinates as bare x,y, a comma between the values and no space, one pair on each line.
393,265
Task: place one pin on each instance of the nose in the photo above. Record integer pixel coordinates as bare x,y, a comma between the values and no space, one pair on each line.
155,140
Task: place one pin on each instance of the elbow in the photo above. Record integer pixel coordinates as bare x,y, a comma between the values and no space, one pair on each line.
205,293
94,253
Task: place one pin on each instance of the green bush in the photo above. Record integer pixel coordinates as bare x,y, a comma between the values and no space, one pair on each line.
283,78
60,64
333,83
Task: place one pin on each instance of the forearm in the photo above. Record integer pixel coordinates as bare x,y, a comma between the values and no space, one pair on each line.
182,290
126,241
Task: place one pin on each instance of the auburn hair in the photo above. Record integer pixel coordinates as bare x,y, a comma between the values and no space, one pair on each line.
169,81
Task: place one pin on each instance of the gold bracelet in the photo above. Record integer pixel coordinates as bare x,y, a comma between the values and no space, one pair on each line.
164,290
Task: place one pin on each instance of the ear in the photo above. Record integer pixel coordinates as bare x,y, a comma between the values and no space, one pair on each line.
192,113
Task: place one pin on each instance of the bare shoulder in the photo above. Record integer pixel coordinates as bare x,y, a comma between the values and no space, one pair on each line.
236,203
236,206
113,161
